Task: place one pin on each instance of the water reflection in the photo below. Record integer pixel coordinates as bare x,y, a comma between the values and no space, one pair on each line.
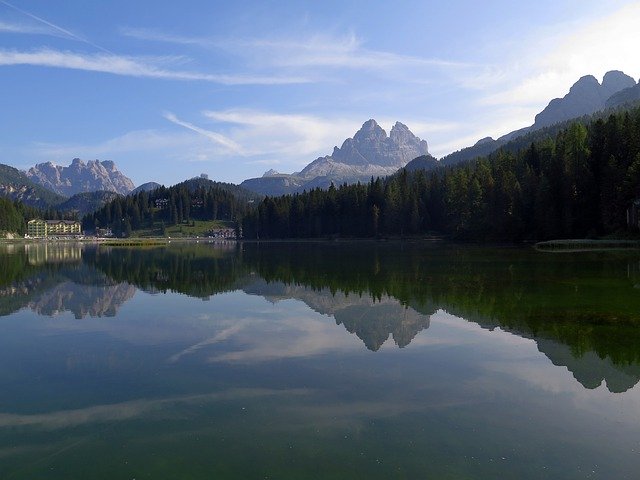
257,362
582,310
372,320
51,278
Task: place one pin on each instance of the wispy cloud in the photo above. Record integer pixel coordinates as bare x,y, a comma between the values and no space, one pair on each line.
289,140
152,154
53,27
306,51
6,27
335,52
218,138
147,67
156,36
148,141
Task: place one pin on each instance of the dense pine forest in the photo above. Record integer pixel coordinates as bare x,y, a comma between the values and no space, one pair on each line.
195,199
14,216
579,183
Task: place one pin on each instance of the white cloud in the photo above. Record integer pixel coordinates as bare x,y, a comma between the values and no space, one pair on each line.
336,52
134,141
217,138
24,29
291,137
148,67
603,44
155,36
304,51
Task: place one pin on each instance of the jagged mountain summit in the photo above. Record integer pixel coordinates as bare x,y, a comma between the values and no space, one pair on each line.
586,97
369,149
371,152
80,177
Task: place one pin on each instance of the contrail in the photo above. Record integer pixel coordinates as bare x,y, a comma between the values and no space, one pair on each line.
56,27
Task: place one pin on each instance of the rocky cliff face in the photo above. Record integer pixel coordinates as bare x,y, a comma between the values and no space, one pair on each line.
585,97
81,177
371,152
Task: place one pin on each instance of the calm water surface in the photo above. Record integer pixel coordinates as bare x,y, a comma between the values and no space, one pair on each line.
341,361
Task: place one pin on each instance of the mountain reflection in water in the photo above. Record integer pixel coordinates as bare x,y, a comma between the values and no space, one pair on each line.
582,310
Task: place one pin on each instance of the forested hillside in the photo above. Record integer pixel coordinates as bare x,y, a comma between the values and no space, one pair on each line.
576,183
196,199
14,216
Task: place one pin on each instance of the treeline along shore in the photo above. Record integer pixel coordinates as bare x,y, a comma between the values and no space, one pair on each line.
581,181
578,183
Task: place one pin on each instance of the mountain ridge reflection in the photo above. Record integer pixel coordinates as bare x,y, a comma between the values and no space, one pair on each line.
582,310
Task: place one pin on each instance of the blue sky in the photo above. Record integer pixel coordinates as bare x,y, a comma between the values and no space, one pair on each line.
169,90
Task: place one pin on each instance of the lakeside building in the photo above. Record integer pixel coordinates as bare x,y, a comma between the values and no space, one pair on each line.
47,228
222,233
104,232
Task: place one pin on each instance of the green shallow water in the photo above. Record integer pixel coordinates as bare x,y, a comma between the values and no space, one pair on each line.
327,360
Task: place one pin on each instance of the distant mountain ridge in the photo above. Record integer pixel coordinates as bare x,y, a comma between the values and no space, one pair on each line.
15,185
624,97
145,187
587,96
370,152
81,177
86,202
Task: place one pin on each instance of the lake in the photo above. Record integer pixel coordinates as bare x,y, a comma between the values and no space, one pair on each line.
318,360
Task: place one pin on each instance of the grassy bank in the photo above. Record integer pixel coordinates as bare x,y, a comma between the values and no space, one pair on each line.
195,228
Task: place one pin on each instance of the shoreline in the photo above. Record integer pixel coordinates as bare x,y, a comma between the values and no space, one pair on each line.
561,245
586,245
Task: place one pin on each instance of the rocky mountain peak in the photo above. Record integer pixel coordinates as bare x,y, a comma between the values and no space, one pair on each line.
370,130
399,126
109,165
80,177
615,81
586,82
585,97
401,136
370,152
484,141
400,132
